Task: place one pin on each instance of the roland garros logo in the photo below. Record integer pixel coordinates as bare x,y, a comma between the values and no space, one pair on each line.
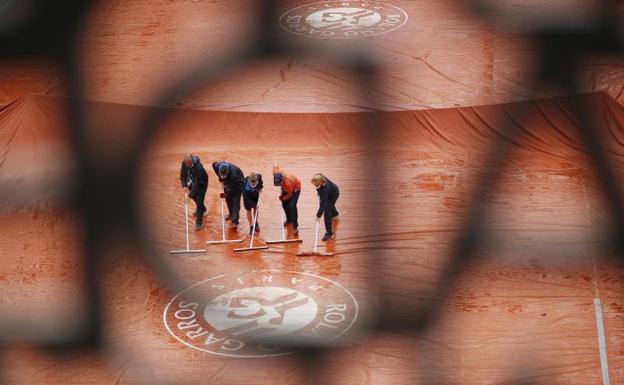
343,19
247,314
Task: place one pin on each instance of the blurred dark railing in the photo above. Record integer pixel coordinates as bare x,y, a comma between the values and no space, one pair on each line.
47,30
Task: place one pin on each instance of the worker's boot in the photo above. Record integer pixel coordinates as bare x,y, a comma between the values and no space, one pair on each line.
328,236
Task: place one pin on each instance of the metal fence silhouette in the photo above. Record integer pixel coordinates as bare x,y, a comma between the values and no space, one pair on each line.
50,33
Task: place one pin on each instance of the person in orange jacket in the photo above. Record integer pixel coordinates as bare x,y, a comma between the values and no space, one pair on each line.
291,188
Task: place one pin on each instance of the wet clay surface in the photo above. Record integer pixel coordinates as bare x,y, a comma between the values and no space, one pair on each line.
441,57
526,305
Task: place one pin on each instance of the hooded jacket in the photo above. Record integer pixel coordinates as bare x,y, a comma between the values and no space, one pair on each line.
327,192
235,179
194,177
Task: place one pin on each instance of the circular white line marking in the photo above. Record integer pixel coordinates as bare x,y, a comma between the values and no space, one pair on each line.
343,19
246,314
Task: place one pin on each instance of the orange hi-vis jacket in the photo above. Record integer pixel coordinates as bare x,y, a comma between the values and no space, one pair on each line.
290,184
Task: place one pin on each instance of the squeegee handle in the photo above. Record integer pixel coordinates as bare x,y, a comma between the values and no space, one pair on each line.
188,246
222,220
253,230
316,234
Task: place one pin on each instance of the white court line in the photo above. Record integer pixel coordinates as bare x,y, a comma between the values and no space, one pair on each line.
602,346
601,343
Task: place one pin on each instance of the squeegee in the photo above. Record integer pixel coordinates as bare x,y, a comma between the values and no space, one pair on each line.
223,240
314,252
188,246
253,233
284,240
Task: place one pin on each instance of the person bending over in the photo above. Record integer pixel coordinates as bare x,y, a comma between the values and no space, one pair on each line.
328,193
251,193
194,177
232,179
290,190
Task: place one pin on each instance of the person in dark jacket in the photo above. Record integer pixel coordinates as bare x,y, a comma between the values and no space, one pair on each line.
328,193
194,177
251,193
232,179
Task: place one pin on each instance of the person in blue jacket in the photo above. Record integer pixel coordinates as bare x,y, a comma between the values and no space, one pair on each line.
194,177
232,179
328,193
251,193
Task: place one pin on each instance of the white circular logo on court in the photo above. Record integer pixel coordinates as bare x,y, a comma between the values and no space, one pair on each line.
247,314
343,19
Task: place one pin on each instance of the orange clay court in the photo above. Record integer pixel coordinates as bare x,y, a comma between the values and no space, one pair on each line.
540,303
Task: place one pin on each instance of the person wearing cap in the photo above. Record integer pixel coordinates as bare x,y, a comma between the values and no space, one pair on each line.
251,193
328,193
194,177
290,190
232,179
